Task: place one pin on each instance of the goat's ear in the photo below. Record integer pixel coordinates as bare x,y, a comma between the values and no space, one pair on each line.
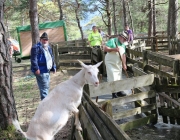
98,64
82,64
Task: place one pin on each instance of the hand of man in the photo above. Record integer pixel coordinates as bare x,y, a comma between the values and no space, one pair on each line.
54,71
37,72
117,49
124,67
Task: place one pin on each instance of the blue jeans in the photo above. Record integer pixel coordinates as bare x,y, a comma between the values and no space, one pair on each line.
43,83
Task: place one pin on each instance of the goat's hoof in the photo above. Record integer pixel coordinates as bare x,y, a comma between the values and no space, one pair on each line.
79,128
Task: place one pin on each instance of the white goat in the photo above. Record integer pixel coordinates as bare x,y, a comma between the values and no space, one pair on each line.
53,112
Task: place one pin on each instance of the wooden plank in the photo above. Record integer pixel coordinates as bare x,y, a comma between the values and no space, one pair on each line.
73,49
157,71
175,113
161,59
103,130
138,71
114,129
132,61
134,52
120,85
88,124
74,56
78,135
166,88
132,98
131,112
170,99
138,122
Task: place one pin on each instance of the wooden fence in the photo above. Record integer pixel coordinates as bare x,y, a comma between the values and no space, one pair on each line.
167,80
66,53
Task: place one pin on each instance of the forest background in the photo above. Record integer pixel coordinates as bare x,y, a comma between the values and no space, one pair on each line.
83,14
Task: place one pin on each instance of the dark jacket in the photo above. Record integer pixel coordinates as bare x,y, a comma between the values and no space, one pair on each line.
38,60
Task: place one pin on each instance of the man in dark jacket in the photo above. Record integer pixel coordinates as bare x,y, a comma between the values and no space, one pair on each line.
42,62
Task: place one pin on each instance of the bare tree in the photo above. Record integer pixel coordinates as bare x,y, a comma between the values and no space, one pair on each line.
150,29
77,18
33,14
107,19
114,12
60,9
7,103
124,12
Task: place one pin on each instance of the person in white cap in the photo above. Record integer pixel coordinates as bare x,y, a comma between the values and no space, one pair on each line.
42,62
112,59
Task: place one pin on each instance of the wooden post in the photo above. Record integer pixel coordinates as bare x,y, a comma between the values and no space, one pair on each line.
145,60
178,46
176,68
56,55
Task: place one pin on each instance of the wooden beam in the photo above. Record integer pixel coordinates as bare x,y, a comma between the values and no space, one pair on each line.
138,71
138,122
131,98
165,88
103,130
78,135
135,111
169,98
73,56
175,113
134,52
120,85
73,49
129,60
157,71
88,124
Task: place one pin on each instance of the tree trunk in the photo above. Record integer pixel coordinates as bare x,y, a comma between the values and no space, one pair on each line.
109,17
154,43
124,12
7,103
132,26
78,20
154,18
150,28
60,10
107,10
34,21
114,11
172,27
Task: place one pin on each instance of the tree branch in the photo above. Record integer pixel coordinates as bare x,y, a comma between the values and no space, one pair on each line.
103,18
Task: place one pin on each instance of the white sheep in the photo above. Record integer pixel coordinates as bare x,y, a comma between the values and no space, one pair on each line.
53,112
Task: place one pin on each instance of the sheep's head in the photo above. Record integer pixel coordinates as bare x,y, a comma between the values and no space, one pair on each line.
91,73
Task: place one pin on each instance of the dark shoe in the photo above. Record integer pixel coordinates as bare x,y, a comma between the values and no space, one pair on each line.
114,95
120,94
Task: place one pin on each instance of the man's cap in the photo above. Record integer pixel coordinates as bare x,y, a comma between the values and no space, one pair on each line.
124,34
44,36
